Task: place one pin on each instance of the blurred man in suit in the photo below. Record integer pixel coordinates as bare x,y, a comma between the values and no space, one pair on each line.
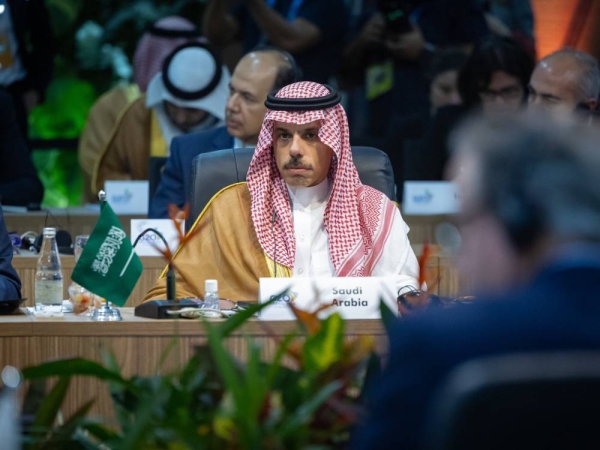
256,74
530,222
27,49
10,284
19,182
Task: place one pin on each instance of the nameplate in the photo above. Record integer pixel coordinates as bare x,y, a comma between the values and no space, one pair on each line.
148,243
429,197
127,197
353,298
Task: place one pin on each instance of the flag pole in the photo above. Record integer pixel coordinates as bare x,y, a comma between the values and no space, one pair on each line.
106,313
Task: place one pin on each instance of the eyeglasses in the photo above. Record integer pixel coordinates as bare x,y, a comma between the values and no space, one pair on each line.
508,93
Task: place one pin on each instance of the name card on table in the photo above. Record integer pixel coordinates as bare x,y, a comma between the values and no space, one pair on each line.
146,245
127,197
429,198
352,297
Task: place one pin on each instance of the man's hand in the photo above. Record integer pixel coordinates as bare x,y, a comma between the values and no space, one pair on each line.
496,26
292,37
407,46
373,31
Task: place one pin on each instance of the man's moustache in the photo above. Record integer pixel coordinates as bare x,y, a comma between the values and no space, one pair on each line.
296,164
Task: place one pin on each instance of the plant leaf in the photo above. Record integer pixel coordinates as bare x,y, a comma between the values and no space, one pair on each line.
304,412
72,367
423,264
309,320
64,434
50,406
36,392
102,433
236,320
326,346
275,366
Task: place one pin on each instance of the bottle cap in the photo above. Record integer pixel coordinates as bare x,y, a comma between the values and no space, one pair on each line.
49,231
211,285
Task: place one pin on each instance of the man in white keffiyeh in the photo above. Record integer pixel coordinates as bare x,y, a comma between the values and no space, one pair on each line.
302,212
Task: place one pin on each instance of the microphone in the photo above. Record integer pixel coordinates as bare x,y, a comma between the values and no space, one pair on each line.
274,244
160,309
170,271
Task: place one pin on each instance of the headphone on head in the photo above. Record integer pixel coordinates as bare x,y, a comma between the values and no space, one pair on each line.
514,206
521,220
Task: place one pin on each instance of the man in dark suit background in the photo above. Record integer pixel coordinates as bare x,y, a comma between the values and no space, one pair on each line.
19,182
530,223
10,284
27,49
258,73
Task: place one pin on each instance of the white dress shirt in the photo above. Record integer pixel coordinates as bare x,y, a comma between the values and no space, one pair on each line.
238,143
312,242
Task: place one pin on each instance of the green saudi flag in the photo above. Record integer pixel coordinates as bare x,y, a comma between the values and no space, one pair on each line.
108,265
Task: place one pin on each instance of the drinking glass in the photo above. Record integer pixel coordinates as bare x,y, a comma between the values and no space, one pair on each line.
80,242
84,302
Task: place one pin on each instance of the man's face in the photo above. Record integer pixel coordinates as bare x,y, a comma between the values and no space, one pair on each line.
252,80
487,256
302,159
504,95
553,87
184,118
443,90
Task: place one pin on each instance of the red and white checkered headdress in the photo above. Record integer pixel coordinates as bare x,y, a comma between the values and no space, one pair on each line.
357,218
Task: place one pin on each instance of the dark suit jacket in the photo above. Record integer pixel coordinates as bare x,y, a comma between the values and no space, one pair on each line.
176,177
559,310
19,182
10,285
31,25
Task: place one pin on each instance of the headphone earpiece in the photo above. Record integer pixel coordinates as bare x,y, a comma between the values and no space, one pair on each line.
521,221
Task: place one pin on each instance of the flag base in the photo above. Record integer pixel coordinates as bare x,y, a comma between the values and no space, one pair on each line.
106,313
157,309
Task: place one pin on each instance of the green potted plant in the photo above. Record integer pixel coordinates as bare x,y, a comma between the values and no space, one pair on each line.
307,396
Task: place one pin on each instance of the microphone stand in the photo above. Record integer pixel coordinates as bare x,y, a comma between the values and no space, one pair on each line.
170,272
159,309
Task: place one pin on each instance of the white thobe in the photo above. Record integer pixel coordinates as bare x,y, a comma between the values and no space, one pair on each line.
312,243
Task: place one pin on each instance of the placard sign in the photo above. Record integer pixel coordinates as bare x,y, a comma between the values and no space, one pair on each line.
353,298
127,197
146,245
430,197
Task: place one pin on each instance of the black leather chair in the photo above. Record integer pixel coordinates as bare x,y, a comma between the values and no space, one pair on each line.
213,171
519,401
